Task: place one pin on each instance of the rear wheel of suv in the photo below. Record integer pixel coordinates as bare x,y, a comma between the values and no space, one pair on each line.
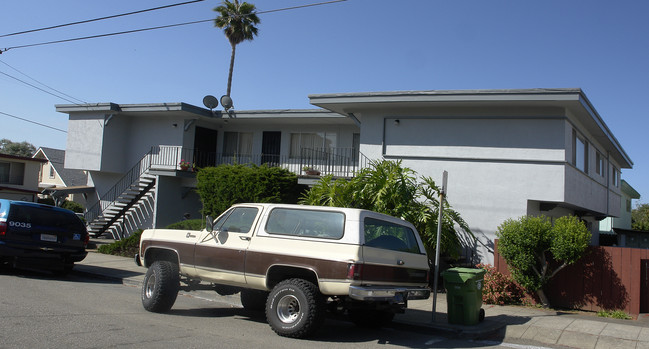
160,286
295,308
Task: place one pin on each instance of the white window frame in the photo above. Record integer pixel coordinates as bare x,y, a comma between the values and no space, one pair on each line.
579,156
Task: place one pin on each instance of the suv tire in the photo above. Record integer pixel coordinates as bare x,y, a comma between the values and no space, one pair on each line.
254,300
295,308
160,286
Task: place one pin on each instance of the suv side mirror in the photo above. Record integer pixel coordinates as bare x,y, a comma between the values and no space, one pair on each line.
209,224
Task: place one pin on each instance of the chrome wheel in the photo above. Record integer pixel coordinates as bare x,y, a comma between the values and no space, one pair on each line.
288,309
150,286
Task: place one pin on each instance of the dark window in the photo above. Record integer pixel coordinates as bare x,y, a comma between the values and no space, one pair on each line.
306,223
389,236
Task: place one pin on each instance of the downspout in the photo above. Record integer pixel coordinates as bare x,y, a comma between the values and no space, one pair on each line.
355,119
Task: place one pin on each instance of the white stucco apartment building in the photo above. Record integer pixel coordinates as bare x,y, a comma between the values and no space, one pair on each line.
508,153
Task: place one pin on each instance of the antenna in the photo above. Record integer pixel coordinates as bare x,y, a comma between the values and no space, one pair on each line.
226,102
210,102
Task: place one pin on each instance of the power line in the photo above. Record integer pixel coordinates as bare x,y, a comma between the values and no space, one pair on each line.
33,122
100,18
36,87
158,27
49,87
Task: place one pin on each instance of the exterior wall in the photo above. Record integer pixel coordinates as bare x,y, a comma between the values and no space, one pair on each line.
85,141
500,166
173,199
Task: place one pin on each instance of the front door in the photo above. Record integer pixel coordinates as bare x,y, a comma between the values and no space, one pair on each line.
205,147
220,254
270,147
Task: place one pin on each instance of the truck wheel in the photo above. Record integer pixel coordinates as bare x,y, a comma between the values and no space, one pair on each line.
160,286
254,300
295,308
370,318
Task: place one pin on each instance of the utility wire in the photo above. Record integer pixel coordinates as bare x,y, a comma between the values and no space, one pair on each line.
38,88
51,88
34,122
100,18
159,27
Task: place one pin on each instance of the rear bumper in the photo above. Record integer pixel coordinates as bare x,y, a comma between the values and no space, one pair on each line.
388,293
42,253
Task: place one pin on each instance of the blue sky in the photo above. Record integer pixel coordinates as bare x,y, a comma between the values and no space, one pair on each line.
353,46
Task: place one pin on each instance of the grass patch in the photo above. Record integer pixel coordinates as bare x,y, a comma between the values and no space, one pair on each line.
615,314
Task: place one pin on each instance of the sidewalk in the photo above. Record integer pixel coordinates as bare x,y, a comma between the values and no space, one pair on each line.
501,324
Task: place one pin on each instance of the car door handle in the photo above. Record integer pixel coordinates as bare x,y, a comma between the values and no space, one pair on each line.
190,235
247,238
400,262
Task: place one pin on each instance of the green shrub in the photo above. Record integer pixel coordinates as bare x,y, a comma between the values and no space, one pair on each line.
127,247
499,288
72,206
222,186
189,224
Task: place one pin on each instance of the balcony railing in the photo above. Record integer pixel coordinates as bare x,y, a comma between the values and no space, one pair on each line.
340,162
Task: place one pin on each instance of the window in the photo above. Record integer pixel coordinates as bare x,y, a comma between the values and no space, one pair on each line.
51,171
239,220
628,205
616,176
579,152
12,173
599,163
316,141
389,236
237,143
306,223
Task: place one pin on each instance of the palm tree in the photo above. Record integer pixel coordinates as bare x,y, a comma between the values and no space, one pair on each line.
238,22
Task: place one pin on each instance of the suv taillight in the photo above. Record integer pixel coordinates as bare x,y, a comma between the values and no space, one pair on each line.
354,271
86,240
3,228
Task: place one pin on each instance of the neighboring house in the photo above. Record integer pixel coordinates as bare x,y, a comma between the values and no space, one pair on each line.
616,231
59,182
508,153
19,177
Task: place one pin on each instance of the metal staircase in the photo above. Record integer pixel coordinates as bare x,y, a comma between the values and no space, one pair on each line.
123,208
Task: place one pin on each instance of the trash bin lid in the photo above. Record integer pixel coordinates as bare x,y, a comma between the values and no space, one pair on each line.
462,275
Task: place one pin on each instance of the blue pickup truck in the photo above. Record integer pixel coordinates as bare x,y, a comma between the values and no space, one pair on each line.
40,236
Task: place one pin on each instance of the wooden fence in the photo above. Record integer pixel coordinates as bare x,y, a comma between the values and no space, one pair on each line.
606,278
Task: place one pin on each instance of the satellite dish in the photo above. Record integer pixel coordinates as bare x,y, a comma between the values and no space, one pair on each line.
226,102
210,102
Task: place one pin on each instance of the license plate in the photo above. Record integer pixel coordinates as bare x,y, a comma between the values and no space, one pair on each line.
48,237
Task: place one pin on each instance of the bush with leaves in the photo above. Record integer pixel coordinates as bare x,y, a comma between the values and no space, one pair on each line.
499,288
640,217
126,247
222,186
536,250
387,187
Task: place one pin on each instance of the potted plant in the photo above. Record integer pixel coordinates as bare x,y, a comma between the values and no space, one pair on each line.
312,171
185,165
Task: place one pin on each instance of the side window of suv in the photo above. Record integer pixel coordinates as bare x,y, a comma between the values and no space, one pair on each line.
240,220
306,223
389,236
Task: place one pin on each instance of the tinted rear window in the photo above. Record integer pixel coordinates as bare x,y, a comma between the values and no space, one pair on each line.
389,236
44,217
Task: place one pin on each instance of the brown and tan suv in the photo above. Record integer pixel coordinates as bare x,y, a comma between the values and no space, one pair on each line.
294,261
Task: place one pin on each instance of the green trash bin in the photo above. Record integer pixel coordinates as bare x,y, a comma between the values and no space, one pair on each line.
464,295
